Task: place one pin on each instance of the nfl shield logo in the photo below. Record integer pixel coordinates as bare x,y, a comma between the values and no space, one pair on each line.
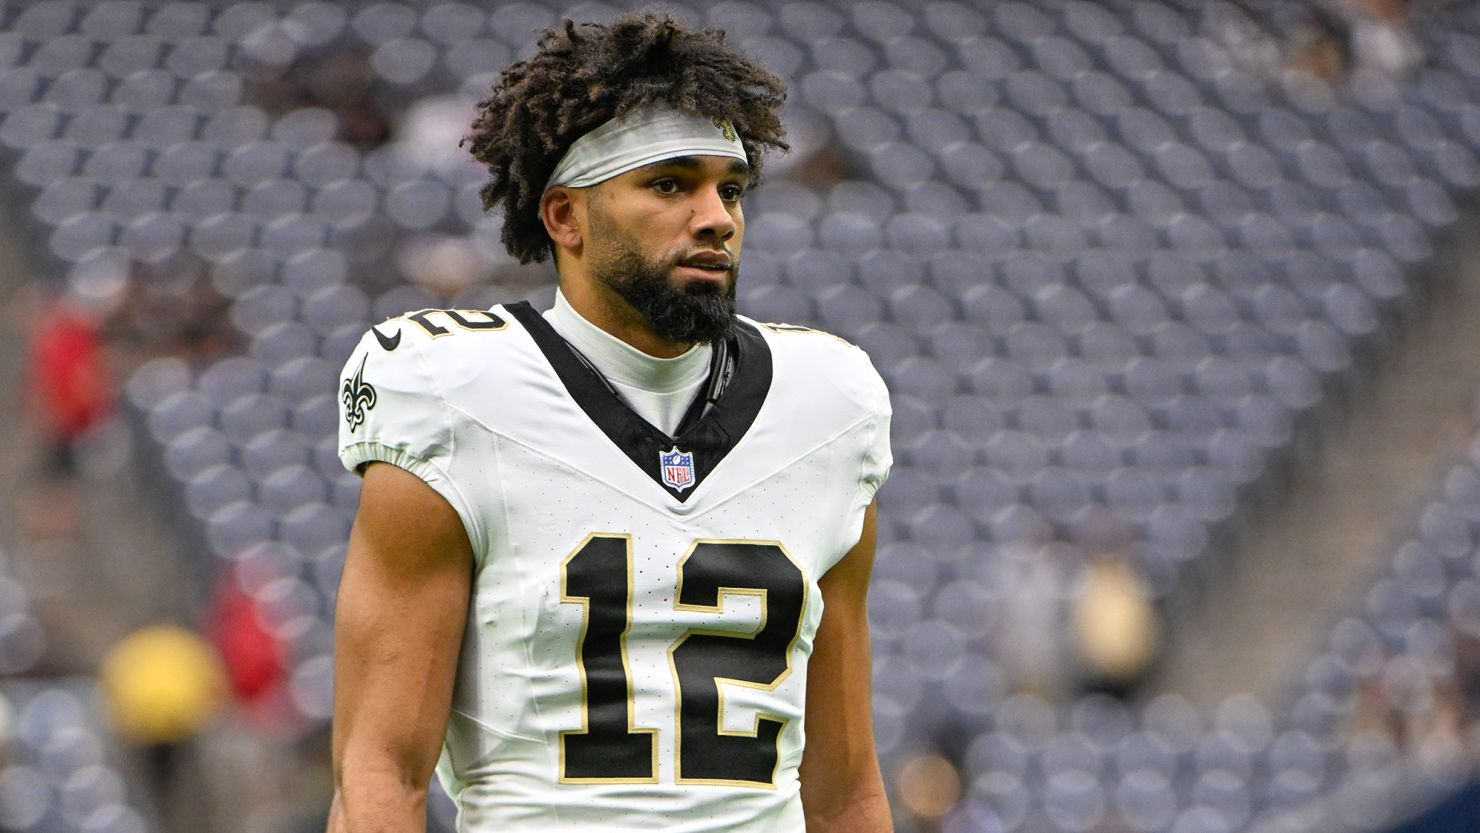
678,468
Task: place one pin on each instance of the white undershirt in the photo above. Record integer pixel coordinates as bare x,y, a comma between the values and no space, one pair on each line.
659,390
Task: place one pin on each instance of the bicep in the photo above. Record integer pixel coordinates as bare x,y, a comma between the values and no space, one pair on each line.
398,624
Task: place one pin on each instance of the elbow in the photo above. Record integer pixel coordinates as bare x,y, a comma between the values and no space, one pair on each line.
384,775
374,796
863,810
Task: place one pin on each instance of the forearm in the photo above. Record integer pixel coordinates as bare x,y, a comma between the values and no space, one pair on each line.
842,788
377,802
863,811
398,623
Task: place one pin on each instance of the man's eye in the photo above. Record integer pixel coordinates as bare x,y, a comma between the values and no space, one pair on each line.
731,192
666,186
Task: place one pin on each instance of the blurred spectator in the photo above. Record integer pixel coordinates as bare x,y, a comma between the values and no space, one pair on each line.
1372,711
161,686
928,786
1380,38
341,80
1116,631
7,726
1467,671
429,134
172,308
1030,642
71,385
1440,733
255,659
1245,43
443,265
1320,44
345,83
1331,40
1464,687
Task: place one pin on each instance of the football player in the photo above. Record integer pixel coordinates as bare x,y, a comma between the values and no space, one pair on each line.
609,566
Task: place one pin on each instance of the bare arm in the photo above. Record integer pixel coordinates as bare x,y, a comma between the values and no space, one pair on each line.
842,789
398,624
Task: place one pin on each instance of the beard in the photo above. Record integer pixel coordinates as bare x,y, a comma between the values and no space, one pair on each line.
697,312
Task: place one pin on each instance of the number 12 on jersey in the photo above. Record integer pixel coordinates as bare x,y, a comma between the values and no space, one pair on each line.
610,748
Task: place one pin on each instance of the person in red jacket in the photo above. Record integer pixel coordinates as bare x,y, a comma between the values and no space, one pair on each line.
71,385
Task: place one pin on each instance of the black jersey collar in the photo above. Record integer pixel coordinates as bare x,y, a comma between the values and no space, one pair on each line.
679,463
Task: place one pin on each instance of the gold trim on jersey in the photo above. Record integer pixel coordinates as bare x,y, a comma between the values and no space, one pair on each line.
585,603
719,718
781,327
458,318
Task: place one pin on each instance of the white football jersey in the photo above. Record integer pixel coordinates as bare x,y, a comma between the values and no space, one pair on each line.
635,655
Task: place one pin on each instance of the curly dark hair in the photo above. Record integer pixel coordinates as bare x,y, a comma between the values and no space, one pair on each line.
587,74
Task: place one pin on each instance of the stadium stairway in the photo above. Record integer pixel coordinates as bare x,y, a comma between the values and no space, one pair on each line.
106,544
1345,504
99,542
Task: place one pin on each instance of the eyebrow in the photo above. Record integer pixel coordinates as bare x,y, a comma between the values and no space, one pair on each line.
737,166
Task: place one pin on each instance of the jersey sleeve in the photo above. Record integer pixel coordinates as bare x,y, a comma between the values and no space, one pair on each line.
878,459
391,411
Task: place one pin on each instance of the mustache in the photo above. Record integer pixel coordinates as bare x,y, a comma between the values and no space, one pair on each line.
707,250
732,272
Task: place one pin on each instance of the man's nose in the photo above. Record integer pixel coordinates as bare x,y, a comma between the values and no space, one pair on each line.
712,218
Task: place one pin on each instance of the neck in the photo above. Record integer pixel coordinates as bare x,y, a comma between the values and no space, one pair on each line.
625,366
598,304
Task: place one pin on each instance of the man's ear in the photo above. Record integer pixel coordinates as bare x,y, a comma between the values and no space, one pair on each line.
562,216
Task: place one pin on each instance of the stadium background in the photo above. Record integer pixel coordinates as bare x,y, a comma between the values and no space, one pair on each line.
1177,301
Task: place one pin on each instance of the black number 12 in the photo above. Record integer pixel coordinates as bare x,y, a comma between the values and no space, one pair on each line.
610,748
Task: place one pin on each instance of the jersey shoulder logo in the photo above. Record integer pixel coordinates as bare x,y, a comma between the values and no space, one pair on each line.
387,343
678,468
358,396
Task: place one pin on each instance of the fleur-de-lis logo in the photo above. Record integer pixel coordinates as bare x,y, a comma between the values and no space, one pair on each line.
358,396
726,128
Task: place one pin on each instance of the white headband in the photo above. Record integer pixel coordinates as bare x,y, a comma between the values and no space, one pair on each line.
641,138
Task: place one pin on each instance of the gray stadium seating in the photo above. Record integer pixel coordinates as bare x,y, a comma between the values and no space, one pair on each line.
1101,267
